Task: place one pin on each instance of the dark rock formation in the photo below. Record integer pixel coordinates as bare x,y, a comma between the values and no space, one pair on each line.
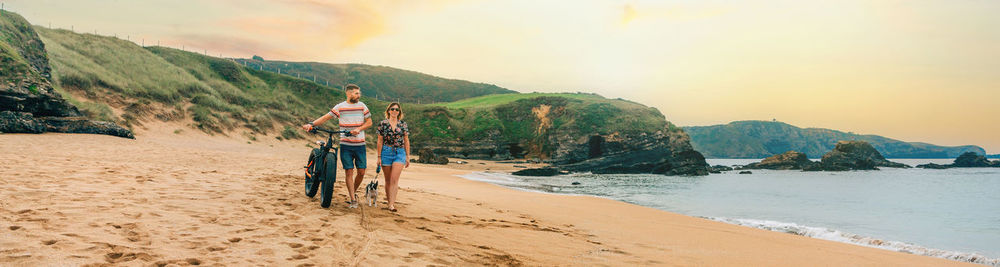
934,166
846,155
476,150
719,169
746,172
548,171
971,159
790,160
966,160
663,152
23,122
28,103
659,153
428,156
853,155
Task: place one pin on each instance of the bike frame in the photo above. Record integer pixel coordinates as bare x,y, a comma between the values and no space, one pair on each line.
319,168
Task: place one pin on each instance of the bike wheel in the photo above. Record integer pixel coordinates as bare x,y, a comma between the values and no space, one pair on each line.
329,178
313,172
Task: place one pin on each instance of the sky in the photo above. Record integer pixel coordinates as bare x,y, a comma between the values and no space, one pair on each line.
919,71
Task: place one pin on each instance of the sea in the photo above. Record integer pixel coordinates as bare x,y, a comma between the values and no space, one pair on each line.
951,213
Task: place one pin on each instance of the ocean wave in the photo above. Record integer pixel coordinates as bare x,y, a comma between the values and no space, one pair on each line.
838,236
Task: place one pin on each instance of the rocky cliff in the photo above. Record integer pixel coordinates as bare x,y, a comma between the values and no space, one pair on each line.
28,103
573,132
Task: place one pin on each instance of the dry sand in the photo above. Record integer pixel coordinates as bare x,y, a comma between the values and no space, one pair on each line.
192,199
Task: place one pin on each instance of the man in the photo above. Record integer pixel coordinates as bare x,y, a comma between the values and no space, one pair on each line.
352,115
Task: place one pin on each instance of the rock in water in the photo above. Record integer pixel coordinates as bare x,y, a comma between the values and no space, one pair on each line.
538,172
790,160
966,160
719,169
854,155
933,166
971,159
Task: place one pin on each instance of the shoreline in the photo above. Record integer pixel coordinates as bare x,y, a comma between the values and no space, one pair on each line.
816,232
187,199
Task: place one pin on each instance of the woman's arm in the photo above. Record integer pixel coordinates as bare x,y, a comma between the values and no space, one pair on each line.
378,150
406,145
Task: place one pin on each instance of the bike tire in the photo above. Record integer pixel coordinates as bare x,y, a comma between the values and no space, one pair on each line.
313,171
329,179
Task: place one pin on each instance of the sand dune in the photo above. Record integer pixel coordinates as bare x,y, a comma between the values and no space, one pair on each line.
192,199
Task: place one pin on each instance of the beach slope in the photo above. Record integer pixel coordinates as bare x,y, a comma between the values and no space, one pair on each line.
190,199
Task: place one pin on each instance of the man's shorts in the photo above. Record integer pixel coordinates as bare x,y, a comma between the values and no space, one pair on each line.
353,157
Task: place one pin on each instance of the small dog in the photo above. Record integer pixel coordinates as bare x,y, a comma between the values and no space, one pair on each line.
371,193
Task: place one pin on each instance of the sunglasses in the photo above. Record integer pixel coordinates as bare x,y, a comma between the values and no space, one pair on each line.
393,109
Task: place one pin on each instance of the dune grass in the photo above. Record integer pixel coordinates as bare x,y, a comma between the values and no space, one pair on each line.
222,96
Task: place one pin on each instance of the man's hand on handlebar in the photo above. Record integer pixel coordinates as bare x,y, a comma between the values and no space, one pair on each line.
308,127
353,132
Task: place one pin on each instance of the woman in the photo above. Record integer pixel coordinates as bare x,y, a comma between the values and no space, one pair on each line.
394,148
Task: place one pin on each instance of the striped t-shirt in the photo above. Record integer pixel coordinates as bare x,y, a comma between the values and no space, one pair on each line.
351,116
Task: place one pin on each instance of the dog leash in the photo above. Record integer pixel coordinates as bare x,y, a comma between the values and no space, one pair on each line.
367,225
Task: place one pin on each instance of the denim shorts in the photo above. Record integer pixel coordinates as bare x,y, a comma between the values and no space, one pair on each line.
353,157
392,155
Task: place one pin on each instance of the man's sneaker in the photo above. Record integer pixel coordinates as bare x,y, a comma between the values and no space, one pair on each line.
354,204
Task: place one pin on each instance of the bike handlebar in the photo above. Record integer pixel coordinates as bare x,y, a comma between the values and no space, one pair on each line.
346,132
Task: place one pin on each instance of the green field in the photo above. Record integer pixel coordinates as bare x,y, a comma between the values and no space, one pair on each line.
497,99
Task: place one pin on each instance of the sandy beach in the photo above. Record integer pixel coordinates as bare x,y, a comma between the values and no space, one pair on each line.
187,198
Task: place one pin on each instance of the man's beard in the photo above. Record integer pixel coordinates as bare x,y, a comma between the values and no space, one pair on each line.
353,100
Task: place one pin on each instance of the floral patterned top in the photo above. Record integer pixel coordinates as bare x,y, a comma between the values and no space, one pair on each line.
390,137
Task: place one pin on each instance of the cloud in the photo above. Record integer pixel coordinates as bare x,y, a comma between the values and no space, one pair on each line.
629,15
228,46
678,12
313,29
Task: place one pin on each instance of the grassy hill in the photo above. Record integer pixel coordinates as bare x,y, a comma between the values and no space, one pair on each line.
20,53
759,139
118,80
385,82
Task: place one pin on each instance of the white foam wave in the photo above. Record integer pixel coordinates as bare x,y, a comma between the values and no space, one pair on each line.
834,235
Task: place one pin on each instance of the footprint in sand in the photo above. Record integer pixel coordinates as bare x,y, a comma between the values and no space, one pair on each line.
235,240
49,242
